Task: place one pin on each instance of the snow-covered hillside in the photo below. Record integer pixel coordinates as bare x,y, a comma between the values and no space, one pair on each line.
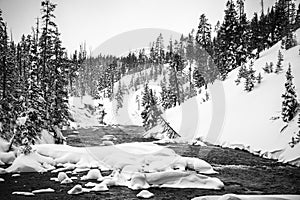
252,120
232,117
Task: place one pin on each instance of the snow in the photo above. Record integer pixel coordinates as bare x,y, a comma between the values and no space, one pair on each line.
77,189
23,193
62,176
135,165
138,181
30,163
100,187
47,190
7,157
3,145
93,174
249,197
46,138
145,194
247,120
15,175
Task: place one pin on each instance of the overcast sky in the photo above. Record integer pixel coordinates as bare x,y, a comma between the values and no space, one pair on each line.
95,21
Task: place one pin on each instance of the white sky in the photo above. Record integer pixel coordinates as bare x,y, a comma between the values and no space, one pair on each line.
95,21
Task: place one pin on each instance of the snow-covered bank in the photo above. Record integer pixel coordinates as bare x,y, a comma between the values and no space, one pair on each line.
135,165
252,120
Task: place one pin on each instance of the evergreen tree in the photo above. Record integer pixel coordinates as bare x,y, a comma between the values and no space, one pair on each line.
250,78
297,19
9,97
203,36
190,54
296,138
259,78
242,74
119,96
289,103
267,68
226,42
176,67
271,67
151,112
279,63
256,39
243,51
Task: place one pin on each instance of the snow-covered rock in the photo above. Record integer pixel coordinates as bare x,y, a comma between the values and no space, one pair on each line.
47,190
62,176
90,184
178,179
77,189
23,193
145,194
93,174
199,165
15,175
138,181
100,187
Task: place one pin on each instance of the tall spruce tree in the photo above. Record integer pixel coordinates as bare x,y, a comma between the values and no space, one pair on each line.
151,112
226,42
203,36
289,103
244,35
119,96
279,63
250,78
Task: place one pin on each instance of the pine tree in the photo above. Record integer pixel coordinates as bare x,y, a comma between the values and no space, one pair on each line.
297,19
203,36
256,38
289,103
176,67
271,67
225,45
151,112
290,14
279,63
266,68
259,78
250,78
242,74
296,138
119,96
244,35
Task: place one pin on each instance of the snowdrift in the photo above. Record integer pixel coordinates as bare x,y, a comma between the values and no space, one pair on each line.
135,165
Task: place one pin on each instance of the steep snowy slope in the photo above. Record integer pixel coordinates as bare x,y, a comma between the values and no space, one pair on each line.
251,119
